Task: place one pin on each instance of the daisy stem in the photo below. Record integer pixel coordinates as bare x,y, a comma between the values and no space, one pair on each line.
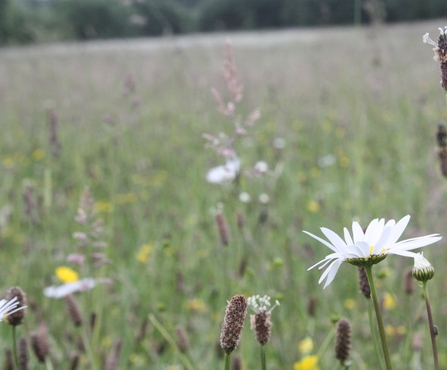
263,362
432,327
386,354
14,347
374,334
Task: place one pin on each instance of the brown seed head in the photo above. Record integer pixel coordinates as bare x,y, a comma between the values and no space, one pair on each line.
9,364
182,339
233,323
312,306
222,228
261,324
40,344
408,281
74,360
17,317
73,310
23,354
113,358
343,340
364,283
441,56
236,363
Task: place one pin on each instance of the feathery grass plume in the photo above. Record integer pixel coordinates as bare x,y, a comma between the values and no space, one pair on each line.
40,343
343,340
408,281
182,339
312,306
233,323
236,363
17,317
9,362
440,49
222,227
74,360
53,137
114,356
73,310
23,354
364,283
441,138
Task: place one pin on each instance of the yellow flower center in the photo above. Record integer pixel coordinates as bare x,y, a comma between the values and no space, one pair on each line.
383,250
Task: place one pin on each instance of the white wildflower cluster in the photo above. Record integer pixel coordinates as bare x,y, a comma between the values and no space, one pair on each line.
257,303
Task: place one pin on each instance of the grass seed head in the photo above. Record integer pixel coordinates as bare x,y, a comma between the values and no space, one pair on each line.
40,344
233,323
364,283
17,317
261,324
343,340
23,354
73,310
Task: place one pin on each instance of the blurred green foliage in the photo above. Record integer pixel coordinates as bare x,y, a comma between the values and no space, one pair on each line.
23,21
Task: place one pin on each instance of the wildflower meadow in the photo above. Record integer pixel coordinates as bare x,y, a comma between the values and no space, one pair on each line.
175,203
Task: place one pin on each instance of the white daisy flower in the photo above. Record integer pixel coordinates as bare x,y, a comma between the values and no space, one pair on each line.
69,288
369,247
9,307
224,174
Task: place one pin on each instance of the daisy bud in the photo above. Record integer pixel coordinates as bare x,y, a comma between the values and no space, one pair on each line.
261,324
364,283
233,323
422,269
343,340
17,317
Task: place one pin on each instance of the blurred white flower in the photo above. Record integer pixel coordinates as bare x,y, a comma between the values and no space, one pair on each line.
261,167
264,198
69,288
369,247
327,160
244,197
279,143
224,174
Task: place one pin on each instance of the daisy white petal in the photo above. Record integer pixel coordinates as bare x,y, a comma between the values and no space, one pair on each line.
69,288
369,247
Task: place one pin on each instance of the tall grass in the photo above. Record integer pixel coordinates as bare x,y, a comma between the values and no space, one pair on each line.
368,97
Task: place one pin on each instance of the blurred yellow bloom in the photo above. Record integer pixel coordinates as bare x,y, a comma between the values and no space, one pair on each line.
306,345
313,206
38,154
8,162
66,274
196,305
103,206
388,301
350,303
307,363
143,253
393,331
126,198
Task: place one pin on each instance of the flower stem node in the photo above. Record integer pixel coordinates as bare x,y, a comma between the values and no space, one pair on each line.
422,269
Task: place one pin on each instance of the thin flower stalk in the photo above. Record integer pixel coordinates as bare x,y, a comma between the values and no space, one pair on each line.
431,326
375,299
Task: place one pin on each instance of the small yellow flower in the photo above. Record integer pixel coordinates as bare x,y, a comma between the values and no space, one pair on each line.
103,206
307,363
388,301
196,305
144,252
350,303
38,154
126,198
306,345
313,206
66,274
8,162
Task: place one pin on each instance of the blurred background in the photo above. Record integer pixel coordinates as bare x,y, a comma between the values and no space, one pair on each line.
36,21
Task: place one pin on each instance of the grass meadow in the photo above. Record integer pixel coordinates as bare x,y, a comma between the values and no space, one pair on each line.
358,110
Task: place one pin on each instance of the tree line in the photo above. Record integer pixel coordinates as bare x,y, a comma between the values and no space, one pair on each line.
25,21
